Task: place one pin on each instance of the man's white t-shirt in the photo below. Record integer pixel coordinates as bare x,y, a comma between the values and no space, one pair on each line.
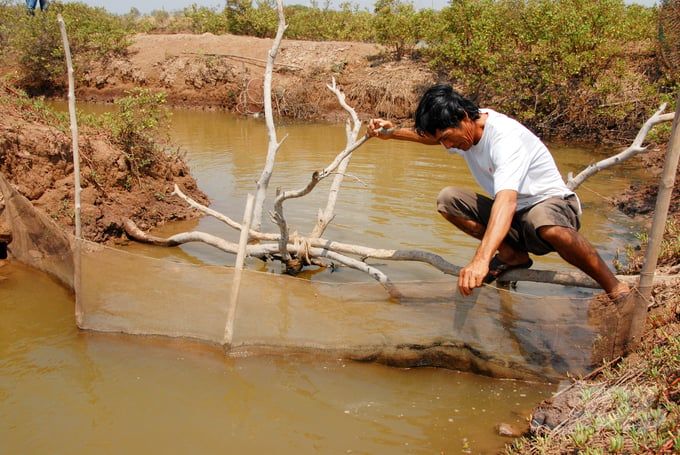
510,157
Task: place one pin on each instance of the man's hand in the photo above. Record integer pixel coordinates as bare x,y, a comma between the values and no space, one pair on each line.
380,128
472,276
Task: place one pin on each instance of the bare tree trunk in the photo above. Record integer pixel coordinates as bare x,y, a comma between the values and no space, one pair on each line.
274,144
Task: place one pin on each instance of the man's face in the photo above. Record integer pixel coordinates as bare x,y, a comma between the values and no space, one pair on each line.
460,137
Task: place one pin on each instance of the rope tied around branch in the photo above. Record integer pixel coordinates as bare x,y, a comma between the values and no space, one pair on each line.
302,246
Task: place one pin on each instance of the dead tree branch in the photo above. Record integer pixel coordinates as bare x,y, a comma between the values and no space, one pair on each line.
338,251
253,234
352,127
317,176
274,144
263,251
634,149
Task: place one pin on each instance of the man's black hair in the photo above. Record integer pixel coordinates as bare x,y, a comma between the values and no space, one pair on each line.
442,107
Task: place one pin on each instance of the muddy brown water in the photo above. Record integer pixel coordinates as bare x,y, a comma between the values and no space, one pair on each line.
69,391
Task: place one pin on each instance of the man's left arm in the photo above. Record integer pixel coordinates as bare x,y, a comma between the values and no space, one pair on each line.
472,275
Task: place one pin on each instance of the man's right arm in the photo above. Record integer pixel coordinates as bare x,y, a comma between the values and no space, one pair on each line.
384,129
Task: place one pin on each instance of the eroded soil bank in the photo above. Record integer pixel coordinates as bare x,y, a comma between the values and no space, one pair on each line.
226,71
36,157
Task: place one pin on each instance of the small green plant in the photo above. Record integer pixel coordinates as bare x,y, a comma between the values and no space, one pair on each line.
616,443
581,435
134,127
586,394
669,250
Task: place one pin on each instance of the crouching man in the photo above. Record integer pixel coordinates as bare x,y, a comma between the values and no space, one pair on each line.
531,209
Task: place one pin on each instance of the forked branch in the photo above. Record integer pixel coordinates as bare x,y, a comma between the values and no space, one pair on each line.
634,149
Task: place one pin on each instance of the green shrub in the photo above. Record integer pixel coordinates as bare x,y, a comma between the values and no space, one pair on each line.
135,126
94,35
244,19
10,15
395,24
206,20
551,64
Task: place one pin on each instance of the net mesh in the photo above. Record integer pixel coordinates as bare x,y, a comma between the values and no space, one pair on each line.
494,331
36,240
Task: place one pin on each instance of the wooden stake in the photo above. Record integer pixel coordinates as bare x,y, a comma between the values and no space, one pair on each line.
76,167
663,200
238,268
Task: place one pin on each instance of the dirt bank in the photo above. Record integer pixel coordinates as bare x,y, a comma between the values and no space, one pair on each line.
225,72
640,199
35,155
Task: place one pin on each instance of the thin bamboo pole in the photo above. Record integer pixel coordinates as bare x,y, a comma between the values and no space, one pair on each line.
663,200
76,168
238,269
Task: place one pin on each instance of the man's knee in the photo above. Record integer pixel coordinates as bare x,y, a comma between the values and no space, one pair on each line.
557,235
448,198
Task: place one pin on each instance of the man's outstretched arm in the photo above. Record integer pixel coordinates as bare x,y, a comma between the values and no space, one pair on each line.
384,129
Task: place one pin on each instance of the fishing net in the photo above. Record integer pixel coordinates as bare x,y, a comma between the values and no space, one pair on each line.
35,239
495,331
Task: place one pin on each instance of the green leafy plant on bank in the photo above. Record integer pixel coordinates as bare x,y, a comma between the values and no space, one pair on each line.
549,63
36,43
135,127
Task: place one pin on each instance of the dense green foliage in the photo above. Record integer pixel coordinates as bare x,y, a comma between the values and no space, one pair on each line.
93,34
349,23
545,61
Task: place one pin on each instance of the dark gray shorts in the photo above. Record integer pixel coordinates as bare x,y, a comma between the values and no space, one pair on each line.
523,234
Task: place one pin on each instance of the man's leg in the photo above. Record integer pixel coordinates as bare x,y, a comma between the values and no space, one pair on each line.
30,4
43,5
576,250
470,213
